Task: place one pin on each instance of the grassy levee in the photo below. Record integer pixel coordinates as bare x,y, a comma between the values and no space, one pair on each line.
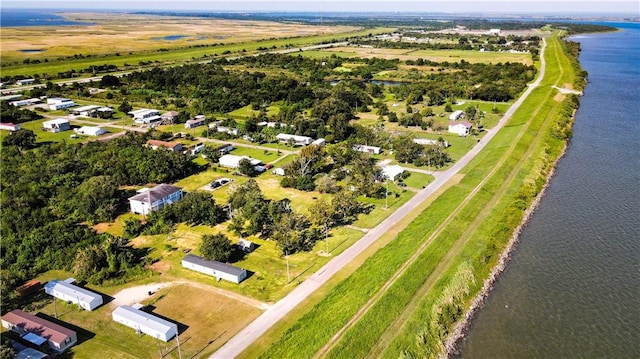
177,55
500,203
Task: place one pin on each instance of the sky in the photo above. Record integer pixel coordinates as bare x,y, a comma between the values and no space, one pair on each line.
568,7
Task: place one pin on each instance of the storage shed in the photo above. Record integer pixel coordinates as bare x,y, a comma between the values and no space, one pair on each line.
39,330
455,115
90,131
68,292
144,322
214,268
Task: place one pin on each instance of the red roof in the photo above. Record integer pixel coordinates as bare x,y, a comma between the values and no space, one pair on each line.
42,327
159,143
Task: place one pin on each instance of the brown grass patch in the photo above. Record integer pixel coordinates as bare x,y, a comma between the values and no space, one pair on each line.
559,97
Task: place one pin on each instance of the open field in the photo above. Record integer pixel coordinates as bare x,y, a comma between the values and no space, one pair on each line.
113,33
162,40
498,185
432,55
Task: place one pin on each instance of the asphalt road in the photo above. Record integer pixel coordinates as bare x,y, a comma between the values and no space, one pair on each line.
272,315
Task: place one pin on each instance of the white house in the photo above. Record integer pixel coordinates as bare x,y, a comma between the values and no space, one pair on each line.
195,122
367,149
58,103
279,171
25,82
233,161
56,125
144,322
214,268
27,102
148,200
271,124
171,146
319,142
298,140
460,128
90,131
85,110
429,142
68,292
9,126
391,171
231,131
145,116
494,32
39,331
455,115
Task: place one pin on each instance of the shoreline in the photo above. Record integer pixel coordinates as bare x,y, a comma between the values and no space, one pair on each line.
460,330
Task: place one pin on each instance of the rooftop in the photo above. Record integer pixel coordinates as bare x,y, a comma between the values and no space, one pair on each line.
145,319
156,193
69,289
42,327
219,266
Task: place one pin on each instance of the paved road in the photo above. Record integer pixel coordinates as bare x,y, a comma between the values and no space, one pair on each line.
260,325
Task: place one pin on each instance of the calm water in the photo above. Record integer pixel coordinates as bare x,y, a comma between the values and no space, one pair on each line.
22,17
572,288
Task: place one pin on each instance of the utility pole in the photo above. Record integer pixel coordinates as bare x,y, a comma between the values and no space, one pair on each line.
287,257
386,196
178,340
326,238
55,307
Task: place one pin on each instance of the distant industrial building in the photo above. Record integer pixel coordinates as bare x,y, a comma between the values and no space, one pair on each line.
214,268
144,322
71,293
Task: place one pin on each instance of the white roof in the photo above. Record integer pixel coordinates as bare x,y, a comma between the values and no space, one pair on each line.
456,114
86,108
73,291
145,319
285,136
91,130
105,109
140,111
233,160
390,172
425,141
56,121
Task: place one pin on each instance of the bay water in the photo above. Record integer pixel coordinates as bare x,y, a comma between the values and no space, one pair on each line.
572,287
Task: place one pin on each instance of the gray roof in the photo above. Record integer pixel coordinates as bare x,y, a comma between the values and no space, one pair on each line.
145,319
219,266
156,193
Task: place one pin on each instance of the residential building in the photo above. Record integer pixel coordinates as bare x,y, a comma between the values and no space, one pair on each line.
9,126
25,82
59,103
144,322
367,149
85,110
169,116
214,268
90,131
155,198
390,172
319,142
233,161
460,128
195,122
56,125
456,115
39,331
297,140
27,102
278,171
429,142
145,116
71,293
171,146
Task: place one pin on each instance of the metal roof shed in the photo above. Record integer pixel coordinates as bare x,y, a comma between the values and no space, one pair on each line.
214,268
145,323
72,293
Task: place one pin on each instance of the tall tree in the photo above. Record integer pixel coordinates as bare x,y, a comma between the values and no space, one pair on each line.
216,247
